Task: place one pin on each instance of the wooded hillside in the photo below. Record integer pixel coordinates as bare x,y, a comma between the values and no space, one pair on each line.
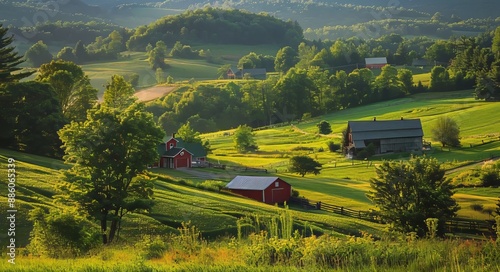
217,26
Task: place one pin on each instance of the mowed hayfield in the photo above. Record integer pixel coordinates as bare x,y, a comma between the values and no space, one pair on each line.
345,182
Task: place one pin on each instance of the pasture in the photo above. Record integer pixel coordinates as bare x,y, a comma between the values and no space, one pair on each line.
346,181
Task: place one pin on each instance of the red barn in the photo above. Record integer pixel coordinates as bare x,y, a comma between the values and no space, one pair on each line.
269,190
172,156
375,63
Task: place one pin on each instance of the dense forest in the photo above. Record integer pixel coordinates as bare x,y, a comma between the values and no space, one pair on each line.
218,26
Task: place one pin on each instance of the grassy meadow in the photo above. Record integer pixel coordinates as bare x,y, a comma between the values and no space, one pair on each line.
345,182
180,69
225,236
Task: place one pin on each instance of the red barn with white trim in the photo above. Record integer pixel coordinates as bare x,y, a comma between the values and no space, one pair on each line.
269,190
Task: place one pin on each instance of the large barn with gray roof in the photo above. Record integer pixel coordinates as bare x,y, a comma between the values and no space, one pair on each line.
386,135
269,190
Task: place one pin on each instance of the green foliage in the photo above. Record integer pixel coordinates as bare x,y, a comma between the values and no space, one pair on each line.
367,152
9,72
157,55
333,147
66,54
73,89
446,131
61,234
303,165
210,25
324,127
153,247
285,59
440,80
408,192
110,152
118,93
188,134
30,116
38,54
432,227
213,185
490,174
244,139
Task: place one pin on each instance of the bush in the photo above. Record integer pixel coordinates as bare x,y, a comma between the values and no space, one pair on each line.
490,174
302,148
61,234
333,147
153,248
324,127
212,185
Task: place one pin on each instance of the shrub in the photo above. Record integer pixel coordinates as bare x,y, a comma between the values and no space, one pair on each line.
61,234
153,248
302,148
212,185
333,147
324,127
490,174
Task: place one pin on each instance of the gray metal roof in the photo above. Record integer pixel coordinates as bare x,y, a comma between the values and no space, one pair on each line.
251,183
386,129
381,60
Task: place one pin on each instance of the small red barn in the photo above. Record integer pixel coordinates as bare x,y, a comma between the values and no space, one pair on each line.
375,63
172,156
269,190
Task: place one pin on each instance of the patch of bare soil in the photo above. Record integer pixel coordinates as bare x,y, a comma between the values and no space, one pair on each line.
149,94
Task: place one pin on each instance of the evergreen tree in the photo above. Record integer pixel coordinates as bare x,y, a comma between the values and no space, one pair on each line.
9,59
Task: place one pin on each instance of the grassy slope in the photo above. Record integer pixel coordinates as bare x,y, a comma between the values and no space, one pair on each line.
213,213
180,69
343,183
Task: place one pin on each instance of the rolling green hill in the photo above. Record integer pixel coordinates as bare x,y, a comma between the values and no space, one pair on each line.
346,181
215,214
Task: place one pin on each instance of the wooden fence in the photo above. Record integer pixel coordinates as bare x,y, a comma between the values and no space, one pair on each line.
457,225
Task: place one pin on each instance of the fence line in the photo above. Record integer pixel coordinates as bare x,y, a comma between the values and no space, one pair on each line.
457,225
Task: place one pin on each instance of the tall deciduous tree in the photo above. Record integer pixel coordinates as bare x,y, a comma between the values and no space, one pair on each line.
188,134
30,116
303,165
495,47
446,131
109,153
409,192
9,60
244,139
118,93
38,54
74,91
285,59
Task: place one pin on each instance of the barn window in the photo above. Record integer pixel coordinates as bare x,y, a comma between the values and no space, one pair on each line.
171,145
182,153
277,184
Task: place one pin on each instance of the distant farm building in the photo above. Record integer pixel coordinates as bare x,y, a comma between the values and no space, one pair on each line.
175,153
235,73
375,63
269,190
386,136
